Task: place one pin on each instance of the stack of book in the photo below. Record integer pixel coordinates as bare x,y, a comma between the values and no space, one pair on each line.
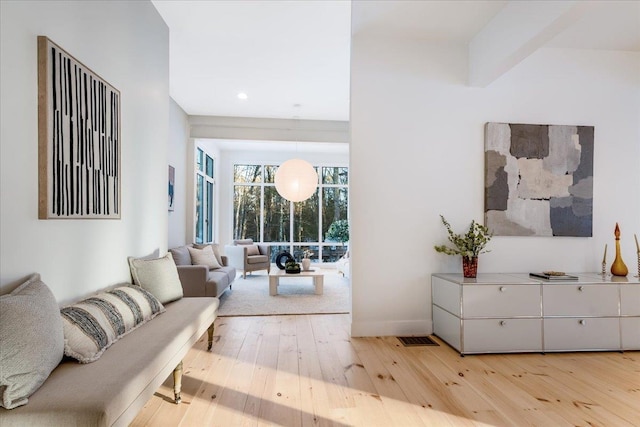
553,276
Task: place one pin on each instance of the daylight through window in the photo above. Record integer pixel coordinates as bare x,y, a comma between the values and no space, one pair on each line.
261,214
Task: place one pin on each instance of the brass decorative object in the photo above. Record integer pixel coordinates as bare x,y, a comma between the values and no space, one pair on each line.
618,268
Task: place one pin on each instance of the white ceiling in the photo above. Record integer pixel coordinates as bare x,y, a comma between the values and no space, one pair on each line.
292,57
280,53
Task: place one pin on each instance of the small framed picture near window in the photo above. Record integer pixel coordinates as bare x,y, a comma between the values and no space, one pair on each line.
172,186
79,171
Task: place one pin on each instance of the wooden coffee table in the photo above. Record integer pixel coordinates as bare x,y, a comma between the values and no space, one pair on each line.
276,274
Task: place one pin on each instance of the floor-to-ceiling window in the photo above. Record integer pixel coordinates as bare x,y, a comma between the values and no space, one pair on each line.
205,185
261,214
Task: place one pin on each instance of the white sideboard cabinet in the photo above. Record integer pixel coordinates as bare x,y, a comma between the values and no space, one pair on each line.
504,313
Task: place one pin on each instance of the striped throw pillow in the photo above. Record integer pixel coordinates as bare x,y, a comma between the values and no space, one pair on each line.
92,325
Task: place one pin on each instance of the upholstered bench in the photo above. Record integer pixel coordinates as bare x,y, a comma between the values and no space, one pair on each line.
114,388
129,340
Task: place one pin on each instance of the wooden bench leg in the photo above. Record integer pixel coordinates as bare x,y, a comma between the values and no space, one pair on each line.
210,334
177,382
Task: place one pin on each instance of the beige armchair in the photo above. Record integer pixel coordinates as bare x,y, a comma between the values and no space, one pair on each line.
246,256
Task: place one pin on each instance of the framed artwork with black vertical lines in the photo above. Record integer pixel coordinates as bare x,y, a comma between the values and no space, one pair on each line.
79,170
172,186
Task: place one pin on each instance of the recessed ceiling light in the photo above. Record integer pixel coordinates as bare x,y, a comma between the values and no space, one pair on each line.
242,95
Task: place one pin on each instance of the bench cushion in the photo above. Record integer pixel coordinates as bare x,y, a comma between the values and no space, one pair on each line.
113,389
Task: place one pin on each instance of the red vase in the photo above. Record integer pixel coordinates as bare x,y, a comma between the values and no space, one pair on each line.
470,267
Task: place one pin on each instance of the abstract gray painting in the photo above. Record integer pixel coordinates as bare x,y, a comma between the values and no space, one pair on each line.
538,180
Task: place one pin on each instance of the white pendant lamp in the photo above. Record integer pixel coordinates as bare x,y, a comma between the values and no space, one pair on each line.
296,180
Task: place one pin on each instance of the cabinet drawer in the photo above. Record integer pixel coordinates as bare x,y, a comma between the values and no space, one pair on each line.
581,334
501,301
630,300
564,299
502,335
630,329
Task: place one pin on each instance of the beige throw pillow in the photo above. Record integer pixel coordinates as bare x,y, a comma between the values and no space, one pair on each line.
204,256
159,276
252,250
216,251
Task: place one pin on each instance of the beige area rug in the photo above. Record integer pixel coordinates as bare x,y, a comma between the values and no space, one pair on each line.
250,296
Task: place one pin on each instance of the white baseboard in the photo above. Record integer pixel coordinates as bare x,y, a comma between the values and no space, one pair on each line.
393,328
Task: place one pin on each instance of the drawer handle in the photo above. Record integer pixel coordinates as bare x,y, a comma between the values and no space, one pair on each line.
503,323
582,322
502,289
581,288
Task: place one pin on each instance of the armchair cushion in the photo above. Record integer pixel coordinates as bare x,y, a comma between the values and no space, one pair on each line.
204,256
257,259
252,250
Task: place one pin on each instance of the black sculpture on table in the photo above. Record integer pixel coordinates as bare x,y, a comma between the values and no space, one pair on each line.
283,256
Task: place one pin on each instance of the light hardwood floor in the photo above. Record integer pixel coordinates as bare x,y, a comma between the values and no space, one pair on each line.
307,370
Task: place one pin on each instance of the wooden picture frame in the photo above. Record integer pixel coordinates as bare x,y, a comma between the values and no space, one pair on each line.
79,146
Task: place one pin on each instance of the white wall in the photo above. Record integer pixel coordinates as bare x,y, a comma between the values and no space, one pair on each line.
417,151
178,145
127,44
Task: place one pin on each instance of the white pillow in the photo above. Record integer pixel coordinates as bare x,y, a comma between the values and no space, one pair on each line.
93,324
204,256
31,340
159,276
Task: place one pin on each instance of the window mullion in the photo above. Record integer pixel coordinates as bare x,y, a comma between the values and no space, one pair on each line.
261,237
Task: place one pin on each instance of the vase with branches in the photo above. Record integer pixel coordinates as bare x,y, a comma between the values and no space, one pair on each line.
469,245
